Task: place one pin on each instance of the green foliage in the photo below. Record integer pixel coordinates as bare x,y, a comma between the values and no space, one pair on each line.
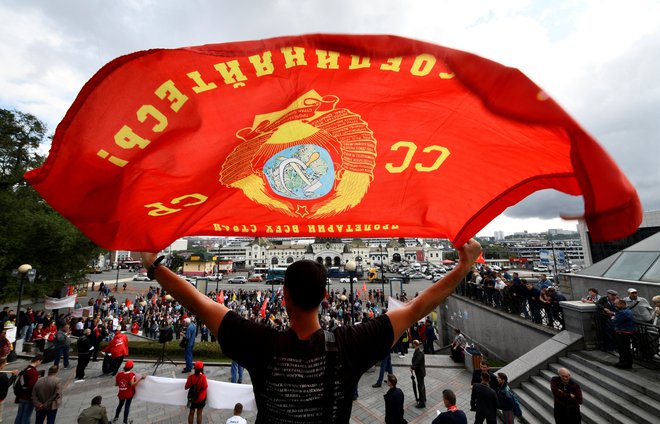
32,232
203,351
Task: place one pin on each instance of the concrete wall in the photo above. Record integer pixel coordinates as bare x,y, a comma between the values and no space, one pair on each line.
498,334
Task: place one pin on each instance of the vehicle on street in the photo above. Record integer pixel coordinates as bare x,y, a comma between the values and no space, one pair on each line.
417,276
141,276
347,280
215,277
275,281
237,280
541,268
256,279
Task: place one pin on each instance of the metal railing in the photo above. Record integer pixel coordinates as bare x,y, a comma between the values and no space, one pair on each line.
508,301
646,344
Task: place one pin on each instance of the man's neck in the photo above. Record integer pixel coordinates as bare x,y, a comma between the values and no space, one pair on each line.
304,323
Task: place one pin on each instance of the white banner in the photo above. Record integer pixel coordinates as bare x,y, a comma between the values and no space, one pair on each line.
171,391
85,312
65,302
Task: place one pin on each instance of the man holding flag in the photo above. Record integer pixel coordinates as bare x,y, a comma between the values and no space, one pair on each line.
306,374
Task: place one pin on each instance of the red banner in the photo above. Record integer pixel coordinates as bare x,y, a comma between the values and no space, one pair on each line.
318,135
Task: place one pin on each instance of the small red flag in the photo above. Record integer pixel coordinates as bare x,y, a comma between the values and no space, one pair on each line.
263,307
220,297
303,136
481,259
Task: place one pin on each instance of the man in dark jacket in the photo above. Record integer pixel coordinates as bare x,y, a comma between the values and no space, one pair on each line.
624,328
484,401
24,396
484,368
419,368
453,415
85,349
393,402
568,398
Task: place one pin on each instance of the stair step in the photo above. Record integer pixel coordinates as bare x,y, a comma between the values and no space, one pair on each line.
533,411
584,374
600,402
635,378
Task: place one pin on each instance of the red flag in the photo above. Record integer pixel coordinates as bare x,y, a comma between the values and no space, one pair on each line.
303,136
263,307
364,287
128,303
220,297
480,259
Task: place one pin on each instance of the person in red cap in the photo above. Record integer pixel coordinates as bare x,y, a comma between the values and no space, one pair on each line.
197,382
126,381
118,348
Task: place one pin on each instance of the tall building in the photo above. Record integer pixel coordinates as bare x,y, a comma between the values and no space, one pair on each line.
499,235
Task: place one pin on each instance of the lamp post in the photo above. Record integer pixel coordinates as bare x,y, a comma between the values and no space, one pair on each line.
24,270
554,260
382,273
350,267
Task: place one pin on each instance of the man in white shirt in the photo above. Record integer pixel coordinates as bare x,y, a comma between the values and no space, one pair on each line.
640,307
237,419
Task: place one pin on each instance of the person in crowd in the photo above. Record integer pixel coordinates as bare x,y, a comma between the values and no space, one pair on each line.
429,334
5,345
265,352
204,333
419,368
197,382
95,414
656,310
6,381
484,401
533,294
47,396
505,398
39,335
639,306
24,391
99,332
452,415
62,344
592,296
189,332
236,372
237,419
606,310
624,329
85,348
385,365
118,348
484,367
567,397
543,282
126,382
393,402
458,346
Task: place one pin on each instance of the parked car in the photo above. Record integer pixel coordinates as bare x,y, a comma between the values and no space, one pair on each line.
540,268
237,280
141,276
255,279
215,277
277,281
347,280
417,276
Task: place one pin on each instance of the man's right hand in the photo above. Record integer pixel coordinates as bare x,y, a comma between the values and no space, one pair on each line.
469,252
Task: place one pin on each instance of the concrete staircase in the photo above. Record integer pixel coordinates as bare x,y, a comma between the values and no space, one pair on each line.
610,395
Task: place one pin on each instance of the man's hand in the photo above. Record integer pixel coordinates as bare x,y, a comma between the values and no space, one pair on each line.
148,258
469,252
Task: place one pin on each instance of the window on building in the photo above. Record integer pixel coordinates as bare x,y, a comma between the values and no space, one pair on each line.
631,265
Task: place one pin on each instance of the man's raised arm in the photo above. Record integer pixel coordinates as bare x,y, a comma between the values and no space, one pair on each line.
402,318
205,308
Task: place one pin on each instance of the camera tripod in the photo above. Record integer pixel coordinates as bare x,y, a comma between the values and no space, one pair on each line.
161,360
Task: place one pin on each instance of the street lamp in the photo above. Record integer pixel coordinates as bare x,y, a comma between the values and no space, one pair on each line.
24,270
350,266
382,274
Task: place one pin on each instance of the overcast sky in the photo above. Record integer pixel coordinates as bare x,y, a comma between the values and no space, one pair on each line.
599,59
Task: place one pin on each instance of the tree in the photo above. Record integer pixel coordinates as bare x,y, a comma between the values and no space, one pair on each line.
32,231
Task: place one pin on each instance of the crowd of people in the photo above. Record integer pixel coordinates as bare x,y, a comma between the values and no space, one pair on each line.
506,291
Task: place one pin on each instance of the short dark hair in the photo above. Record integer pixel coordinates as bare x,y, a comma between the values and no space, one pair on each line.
593,290
450,396
503,377
238,408
306,280
392,379
37,358
485,378
96,400
53,369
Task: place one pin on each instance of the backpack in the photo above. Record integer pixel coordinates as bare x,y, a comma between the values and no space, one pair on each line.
60,338
20,385
516,404
192,394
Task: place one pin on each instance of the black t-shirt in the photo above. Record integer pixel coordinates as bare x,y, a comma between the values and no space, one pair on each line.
288,374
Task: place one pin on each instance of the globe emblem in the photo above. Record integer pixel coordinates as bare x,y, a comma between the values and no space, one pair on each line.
301,172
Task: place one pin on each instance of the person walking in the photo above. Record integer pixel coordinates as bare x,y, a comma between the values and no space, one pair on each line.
484,401
505,399
95,414
419,368
85,349
452,415
198,385
385,365
126,381
6,381
237,419
189,332
118,348
26,381
393,402
61,343
568,398
268,354
47,396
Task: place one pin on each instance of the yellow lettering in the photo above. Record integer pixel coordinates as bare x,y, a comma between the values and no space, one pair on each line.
296,229
447,75
422,65
112,159
331,228
149,110
219,227
175,97
358,227
269,228
392,64
293,56
235,228
376,227
407,159
263,65
327,60
367,227
253,228
320,228
311,228
199,197
444,153
160,209
339,227
349,228
358,62
231,72
201,84
395,226
127,139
